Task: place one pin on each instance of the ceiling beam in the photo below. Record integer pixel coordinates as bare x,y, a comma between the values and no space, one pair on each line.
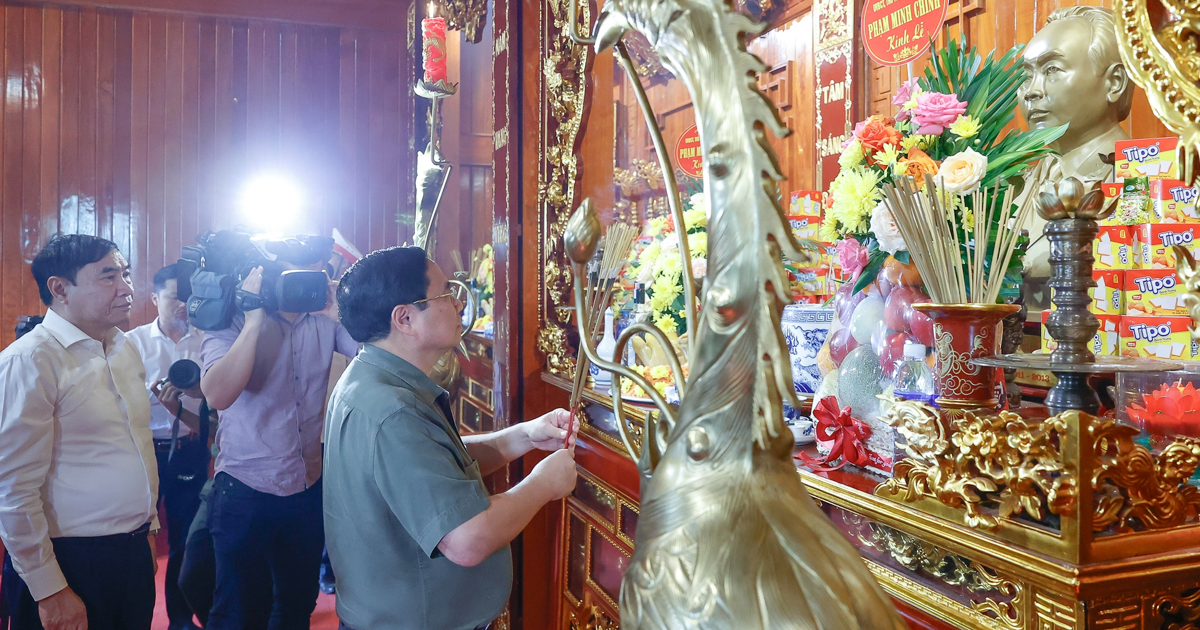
375,15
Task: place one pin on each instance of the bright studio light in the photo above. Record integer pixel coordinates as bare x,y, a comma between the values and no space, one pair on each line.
271,201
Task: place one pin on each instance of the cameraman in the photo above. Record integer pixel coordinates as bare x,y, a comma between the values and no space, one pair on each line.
268,374
182,461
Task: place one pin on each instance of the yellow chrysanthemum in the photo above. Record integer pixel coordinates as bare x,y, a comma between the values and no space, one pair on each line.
965,126
660,301
670,266
851,156
698,243
888,156
695,218
666,289
829,231
650,254
855,194
666,321
909,142
656,225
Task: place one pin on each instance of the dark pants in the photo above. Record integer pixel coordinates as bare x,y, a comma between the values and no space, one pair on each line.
268,551
198,575
113,575
179,483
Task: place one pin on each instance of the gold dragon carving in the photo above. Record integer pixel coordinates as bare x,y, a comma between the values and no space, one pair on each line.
917,555
565,89
987,463
467,16
1179,611
1135,490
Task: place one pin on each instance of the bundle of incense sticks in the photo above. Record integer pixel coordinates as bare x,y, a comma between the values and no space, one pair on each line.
598,289
938,244
456,258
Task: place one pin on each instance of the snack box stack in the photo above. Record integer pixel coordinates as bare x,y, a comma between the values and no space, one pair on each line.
1156,210
810,285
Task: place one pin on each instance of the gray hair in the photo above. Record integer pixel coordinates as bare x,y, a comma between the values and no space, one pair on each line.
1103,51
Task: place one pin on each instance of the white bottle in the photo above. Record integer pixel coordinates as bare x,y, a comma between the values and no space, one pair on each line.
914,381
606,349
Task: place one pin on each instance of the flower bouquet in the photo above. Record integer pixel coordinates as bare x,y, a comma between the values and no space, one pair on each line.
950,129
659,267
951,126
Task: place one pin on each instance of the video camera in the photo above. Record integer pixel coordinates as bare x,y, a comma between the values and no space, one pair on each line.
212,272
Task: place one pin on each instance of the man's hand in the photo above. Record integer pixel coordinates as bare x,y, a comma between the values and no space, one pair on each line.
63,611
556,474
168,395
253,284
549,432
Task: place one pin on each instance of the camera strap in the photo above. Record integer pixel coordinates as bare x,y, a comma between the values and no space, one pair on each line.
175,431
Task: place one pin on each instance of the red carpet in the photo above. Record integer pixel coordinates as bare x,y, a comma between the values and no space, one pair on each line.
324,617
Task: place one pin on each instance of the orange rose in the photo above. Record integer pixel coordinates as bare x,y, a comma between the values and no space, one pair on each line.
917,165
877,131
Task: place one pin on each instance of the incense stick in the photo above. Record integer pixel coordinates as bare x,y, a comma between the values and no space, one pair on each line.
959,261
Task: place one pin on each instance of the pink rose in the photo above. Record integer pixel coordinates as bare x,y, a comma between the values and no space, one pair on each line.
903,95
851,256
936,111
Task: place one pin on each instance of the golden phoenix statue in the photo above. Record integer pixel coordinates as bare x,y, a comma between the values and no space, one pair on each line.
727,536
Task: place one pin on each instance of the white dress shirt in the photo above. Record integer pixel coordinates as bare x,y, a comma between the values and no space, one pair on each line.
158,353
76,457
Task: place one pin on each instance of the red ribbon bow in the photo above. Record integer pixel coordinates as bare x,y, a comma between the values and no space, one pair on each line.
848,436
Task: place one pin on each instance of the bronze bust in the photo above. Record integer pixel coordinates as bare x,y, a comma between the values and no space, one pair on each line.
1075,77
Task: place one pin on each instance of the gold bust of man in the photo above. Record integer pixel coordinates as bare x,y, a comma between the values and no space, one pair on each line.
1074,76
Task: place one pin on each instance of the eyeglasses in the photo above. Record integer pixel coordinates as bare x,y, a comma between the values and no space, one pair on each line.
456,291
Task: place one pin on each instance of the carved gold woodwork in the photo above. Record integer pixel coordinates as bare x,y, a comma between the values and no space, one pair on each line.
467,16
951,569
596,620
1164,60
1135,490
564,88
986,461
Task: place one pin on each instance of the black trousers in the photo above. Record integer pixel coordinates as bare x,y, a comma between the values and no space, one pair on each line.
198,573
113,575
179,483
268,551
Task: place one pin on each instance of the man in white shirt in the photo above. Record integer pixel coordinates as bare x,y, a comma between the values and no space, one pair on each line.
183,471
78,480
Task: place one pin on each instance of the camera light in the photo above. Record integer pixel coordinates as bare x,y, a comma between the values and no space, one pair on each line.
271,200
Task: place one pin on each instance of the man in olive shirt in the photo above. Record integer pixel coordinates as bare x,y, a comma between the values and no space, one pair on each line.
415,540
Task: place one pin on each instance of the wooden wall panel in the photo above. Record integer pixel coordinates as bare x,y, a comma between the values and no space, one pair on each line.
998,25
141,127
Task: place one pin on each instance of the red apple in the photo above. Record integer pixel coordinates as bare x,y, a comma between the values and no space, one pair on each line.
922,327
840,344
895,310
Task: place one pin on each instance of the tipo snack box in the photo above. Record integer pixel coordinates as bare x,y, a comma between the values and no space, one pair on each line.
804,214
1147,157
1152,292
1171,201
1158,338
1154,241
1114,247
1105,342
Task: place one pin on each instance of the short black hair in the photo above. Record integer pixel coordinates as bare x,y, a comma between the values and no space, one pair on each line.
170,272
64,256
376,285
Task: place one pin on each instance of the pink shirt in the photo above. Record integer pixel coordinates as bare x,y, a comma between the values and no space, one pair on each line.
270,437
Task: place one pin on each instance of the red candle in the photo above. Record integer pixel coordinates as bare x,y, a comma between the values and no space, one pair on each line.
433,48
